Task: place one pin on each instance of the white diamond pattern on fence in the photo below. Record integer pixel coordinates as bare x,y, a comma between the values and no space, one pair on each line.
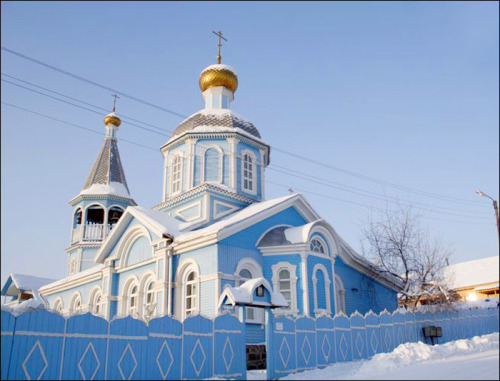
227,347
306,350
164,354
30,363
359,344
326,348
127,354
88,357
400,335
387,340
198,348
286,349
343,346
374,342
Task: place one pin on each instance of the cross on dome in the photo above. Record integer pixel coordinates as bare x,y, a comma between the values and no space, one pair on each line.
219,45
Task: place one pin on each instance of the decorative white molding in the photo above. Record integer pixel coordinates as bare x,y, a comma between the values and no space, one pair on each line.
276,268
217,215
178,212
253,173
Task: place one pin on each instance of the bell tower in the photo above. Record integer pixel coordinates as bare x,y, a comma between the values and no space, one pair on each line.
101,202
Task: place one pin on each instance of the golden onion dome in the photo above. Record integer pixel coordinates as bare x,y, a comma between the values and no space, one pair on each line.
219,75
112,119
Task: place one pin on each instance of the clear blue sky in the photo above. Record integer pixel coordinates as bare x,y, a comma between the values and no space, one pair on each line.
403,92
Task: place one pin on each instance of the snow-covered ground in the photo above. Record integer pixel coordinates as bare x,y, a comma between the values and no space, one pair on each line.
468,359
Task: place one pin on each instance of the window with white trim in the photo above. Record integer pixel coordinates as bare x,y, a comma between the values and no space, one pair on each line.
213,165
149,299
339,296
133,300
285,282
249,172
177,174
321,284
245,275
317,246
58,306
191,294
97,304
76,305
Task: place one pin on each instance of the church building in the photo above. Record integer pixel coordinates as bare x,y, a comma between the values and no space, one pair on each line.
212,229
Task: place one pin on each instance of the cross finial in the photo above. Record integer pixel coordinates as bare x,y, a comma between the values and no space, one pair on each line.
290,190
114,101
221,37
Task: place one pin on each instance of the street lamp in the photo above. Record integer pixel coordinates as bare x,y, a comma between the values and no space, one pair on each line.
495,206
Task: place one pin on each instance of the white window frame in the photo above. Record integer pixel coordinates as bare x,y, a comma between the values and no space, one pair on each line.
322,243
133,310
195,307
319,311
173,190
220,170
253,173
75,306
292,308
339,296
58,306
146,292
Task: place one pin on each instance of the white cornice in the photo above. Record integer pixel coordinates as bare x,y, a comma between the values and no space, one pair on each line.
83,197
73,283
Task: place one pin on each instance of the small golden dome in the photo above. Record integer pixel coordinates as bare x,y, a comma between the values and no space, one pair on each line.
219,75
112,119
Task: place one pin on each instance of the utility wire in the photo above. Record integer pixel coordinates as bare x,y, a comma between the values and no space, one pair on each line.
313,161
270,182
293,173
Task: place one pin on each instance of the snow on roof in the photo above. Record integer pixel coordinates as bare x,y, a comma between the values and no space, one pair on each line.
113,188
162,222
73,277
27,305
471,273
487,287
243,294
23,282
299,234
233,219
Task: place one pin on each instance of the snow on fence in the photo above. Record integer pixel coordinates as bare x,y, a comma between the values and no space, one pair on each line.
45,345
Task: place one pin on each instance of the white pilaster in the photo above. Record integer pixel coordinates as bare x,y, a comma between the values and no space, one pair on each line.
305,287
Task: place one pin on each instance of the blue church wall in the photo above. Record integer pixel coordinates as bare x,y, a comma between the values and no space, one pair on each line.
66,295
207,300
206,257
230,255
370,295
88,256
326,262
139,272
139,251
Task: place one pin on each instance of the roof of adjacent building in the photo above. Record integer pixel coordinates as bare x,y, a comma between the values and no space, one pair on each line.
107,175
472,273
24,283
204,120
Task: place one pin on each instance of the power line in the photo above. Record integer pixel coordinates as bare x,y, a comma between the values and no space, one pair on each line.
291,172
107,88
313,161
270,182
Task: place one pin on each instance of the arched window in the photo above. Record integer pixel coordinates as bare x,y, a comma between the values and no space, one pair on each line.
339,296
149,299
114,215
284,285
177,174
245,275
94,224
76,304
95,214
317,246
321,284
77,219
96,303
191,294
58,306
213,167
133,300
285,281
249,173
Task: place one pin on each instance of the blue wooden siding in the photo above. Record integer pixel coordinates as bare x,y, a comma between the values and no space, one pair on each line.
255,334
363,293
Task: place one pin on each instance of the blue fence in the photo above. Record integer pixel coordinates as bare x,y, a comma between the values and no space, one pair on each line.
295,345
44,345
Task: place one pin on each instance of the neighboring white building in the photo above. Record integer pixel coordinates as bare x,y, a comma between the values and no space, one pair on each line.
473,280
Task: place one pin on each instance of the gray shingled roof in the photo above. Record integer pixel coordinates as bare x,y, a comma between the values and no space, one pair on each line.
107,167
225,120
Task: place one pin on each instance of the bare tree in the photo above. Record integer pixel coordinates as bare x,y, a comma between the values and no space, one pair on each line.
398,245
